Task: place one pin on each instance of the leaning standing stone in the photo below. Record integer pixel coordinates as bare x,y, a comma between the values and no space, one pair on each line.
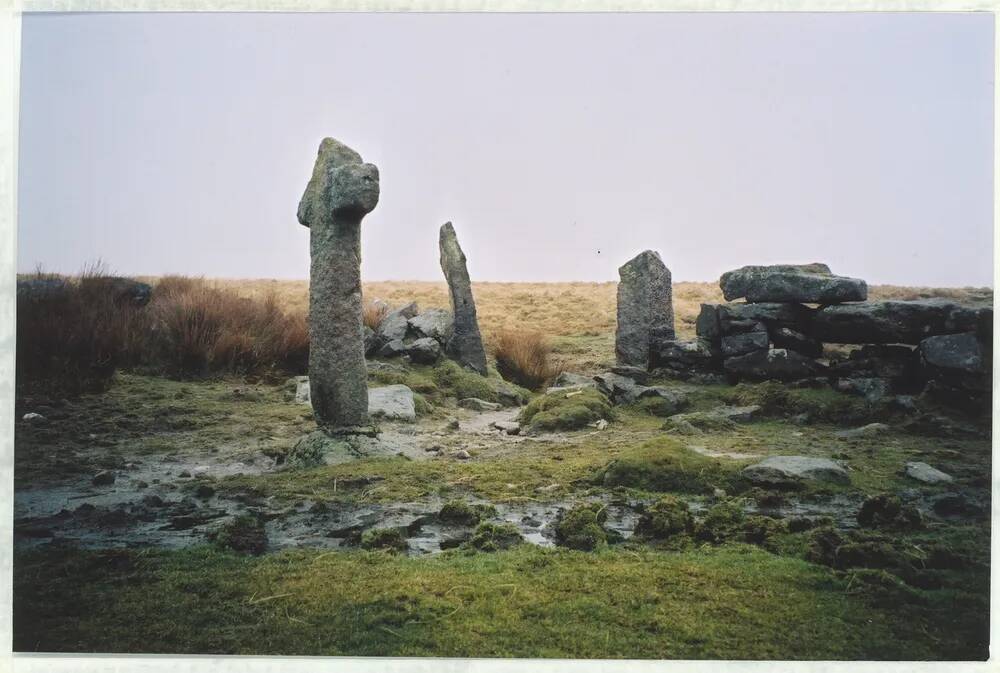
342,190
465,344
645,309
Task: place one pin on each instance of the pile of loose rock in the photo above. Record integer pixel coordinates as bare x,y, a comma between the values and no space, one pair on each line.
405,331
789,312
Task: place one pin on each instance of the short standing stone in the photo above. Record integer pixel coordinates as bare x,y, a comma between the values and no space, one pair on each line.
466,343
342,190
787,470
392,402
645,309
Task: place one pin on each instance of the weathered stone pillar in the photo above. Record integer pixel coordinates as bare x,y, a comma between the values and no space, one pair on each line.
645,309
465,344
342,190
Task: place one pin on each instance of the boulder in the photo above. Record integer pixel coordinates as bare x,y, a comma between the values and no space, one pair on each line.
619,389
392,349
394,325
465,345
637,374
684,356
645,309
103,478
790,470
392,403
872,389
424,351
789,339
509,427
772,315
927,474
569,380
476,404
958,359
435,323
808,284
741,344
707,324
778,364
669,401
870,430
898,365
893,321
737,283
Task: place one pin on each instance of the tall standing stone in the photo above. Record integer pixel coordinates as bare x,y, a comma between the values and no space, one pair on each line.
465,344
645,309
342,190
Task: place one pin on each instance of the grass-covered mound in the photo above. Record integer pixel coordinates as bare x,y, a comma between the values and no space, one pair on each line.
730,602
566,411
666,465
465,514
582,527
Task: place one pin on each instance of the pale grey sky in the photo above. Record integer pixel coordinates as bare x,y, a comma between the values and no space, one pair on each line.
559,145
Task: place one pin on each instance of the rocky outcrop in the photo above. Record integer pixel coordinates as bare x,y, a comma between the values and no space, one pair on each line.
342,190
465,344
645,309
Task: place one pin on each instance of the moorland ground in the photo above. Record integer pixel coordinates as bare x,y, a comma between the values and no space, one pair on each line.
640,541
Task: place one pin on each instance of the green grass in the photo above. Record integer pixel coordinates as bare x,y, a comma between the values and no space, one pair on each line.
566,411
733,602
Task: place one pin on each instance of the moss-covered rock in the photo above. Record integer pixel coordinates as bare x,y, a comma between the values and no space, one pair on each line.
565,411
465,514
491,537
388,539
721,522
244,534
582,527
665,518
